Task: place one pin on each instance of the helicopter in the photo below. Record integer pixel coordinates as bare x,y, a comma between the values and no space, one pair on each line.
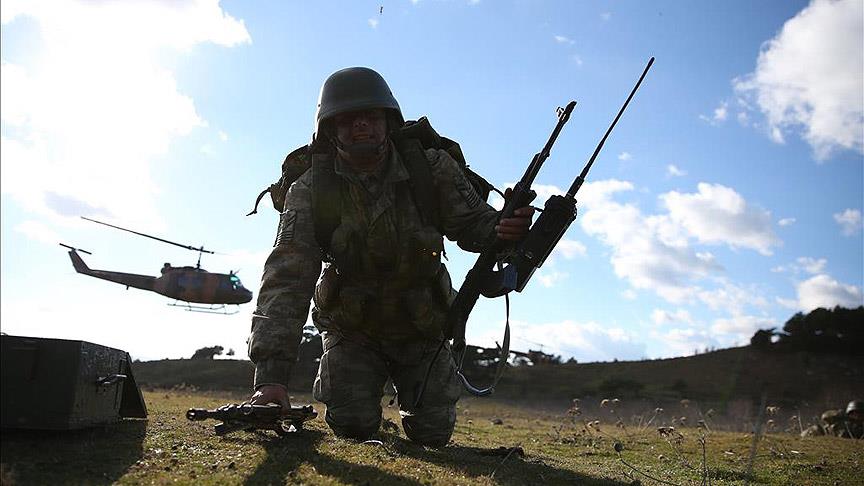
191,285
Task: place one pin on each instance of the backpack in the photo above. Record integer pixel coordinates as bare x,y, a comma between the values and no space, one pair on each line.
411,142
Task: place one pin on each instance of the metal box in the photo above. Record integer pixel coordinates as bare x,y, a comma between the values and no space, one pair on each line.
60,384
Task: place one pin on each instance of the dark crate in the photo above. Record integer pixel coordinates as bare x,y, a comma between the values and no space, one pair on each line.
61,384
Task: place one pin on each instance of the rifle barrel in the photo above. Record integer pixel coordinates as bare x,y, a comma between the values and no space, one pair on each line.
537,161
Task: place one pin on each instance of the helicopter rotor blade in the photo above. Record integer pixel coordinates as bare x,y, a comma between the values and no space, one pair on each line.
188,247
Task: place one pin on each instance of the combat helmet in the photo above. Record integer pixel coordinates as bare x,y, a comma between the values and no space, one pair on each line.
855,406
355,88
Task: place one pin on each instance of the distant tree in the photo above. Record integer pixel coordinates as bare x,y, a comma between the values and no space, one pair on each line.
230,352
837,330
207,353
761,340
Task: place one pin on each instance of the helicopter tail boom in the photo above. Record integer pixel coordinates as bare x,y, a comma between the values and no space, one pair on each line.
144,282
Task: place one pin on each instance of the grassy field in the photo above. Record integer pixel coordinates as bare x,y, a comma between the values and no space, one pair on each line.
494,443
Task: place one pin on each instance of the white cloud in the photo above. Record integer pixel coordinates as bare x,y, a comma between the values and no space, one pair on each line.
718,116
721,112
563,40
849,221
679,342
738,329
786,222
648,252
654,252
549,279
674,171
624,156
810,75
570,249
606,16
717,214
577,59
811,265
143,333
823,291
223,136
732,298
38,231
373,23
629,294
790,304
598,193
586,341
90,115
680,316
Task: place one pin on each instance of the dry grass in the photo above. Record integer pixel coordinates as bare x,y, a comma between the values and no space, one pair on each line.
494,443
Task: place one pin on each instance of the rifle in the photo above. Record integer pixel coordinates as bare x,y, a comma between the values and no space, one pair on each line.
529,255
246,416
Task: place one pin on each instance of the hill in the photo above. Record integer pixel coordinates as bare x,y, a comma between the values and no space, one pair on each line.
726,379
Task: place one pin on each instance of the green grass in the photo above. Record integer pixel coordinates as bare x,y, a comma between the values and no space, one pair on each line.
168,449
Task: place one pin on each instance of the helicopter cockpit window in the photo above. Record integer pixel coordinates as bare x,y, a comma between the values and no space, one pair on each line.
235,282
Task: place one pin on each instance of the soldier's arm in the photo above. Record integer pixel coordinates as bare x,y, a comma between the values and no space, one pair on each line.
290,273
465,217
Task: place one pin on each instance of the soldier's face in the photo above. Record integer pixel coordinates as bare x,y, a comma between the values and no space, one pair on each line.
361,127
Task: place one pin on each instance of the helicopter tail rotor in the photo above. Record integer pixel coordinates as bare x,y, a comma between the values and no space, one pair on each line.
75,249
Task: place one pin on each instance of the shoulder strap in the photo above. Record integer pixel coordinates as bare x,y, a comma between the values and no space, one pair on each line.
420,180
326,199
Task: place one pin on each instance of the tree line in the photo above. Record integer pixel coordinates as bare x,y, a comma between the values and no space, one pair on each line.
837,330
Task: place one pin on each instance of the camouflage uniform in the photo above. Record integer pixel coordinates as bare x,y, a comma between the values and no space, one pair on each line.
381,304
836,423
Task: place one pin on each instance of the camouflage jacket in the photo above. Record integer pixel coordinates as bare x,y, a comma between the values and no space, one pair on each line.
386,281
836,423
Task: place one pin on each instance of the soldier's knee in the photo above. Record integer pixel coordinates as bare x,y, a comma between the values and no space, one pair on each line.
431,427
356,421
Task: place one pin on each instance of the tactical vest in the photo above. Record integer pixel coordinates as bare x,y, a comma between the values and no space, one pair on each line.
412,140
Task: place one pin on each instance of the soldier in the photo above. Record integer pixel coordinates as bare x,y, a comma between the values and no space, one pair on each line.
847,423
381,301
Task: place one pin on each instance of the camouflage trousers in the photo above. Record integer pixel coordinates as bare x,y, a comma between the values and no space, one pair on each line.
351,379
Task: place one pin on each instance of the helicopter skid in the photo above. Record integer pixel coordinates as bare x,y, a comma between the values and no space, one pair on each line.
212,309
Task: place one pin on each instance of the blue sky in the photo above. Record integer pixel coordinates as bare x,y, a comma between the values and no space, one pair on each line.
728,198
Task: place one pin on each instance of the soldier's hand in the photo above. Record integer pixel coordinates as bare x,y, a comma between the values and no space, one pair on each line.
515,227
277,394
